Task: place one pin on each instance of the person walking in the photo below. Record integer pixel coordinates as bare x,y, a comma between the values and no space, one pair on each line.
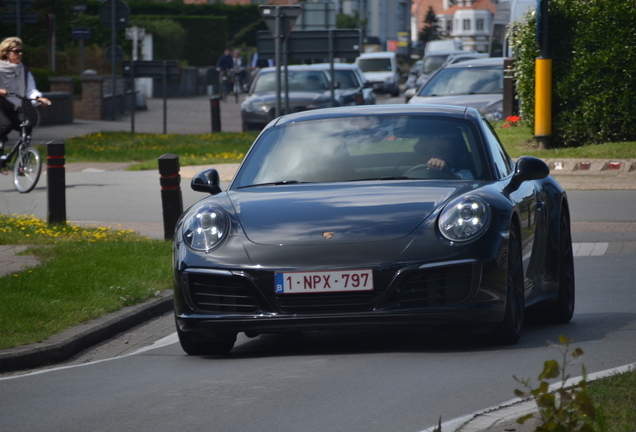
15,78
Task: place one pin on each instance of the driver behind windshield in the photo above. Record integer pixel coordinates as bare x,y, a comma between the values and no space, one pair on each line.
441,154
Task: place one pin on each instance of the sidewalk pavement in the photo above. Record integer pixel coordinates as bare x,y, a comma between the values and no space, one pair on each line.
193,116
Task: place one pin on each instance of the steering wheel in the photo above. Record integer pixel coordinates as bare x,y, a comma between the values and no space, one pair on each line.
422,172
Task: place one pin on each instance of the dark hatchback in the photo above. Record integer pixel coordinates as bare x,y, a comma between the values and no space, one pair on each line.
346,217
309,88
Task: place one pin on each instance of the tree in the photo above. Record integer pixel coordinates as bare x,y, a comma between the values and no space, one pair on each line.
344,21
430,28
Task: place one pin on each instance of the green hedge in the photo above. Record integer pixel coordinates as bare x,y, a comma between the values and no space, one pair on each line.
593,47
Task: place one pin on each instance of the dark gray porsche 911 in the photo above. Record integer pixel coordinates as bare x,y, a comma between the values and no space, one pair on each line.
397,215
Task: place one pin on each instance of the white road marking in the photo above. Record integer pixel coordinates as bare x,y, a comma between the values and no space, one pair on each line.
589,249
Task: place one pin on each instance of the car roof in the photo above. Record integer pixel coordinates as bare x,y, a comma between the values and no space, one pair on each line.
293,68
395,109
482,62
446,52
378,54
335,66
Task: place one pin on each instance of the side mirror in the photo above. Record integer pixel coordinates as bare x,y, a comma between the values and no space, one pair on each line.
207,181
528,168
410,93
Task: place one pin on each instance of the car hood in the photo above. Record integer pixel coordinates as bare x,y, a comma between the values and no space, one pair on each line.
295,98
301,214
480,101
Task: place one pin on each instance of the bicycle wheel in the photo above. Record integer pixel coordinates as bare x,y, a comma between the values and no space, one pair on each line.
26,170
237,89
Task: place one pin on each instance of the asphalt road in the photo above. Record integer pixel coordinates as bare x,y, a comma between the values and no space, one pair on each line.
349,381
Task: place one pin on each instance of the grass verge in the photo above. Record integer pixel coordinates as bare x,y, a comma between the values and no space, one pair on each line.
85,273
616,396
145,149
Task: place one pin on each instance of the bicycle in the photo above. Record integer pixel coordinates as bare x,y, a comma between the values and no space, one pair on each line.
27,165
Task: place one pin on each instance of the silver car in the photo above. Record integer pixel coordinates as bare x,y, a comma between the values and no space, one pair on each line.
471,83
309,88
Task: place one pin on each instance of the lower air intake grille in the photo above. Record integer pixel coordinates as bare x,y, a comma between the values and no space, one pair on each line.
438,286
221,294
325,303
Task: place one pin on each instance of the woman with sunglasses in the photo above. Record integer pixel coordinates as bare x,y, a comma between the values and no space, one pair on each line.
14,78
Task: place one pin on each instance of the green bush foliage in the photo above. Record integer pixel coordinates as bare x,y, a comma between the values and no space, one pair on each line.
593,47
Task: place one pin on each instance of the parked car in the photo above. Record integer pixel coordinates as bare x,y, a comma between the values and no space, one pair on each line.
338,219
381,68
309,88
353,86
414,73
471,83
432,62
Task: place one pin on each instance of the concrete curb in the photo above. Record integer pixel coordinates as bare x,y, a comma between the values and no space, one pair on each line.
72,341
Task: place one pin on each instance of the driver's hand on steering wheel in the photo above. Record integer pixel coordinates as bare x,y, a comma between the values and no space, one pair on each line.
436,164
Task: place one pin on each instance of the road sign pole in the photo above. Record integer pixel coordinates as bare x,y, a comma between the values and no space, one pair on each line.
133,97
113,29
277,49
331,68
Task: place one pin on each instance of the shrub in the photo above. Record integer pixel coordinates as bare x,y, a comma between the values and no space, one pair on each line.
593,47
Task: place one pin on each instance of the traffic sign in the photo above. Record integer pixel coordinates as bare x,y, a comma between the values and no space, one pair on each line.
25,17
13,4
81,33
119,54
151,68
288,16
122,14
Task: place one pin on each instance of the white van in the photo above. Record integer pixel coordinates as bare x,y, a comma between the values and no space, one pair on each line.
381,68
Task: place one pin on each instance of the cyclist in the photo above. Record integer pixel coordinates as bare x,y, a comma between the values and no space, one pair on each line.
225,65
16,78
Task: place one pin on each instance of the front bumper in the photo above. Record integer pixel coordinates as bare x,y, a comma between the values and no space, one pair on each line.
460,293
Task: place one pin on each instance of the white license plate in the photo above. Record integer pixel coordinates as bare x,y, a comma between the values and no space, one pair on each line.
326,281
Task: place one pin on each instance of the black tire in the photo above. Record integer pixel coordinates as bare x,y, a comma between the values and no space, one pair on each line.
508,331
27,169
197,345
563,310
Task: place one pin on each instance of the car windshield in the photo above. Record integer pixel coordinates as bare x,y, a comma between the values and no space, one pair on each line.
356,148
347,79
431,63
298,81
374,64
462,81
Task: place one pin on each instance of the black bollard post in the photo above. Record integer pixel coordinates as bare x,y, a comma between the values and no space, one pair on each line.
56,183
215,111
171,199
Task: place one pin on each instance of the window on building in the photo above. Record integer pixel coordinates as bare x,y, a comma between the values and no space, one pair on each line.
480,24
466,24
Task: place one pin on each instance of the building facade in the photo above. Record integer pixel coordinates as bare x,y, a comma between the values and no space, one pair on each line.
467,20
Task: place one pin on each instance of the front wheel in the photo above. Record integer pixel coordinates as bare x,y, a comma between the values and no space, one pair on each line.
509,330
199,345
26,170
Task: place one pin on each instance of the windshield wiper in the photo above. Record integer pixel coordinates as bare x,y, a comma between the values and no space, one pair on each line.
276,183
384,178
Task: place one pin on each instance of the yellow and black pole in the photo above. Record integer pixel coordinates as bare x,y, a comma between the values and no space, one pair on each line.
543,81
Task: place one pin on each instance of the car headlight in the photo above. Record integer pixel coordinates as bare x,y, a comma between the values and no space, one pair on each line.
253,107
465,218
205,227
